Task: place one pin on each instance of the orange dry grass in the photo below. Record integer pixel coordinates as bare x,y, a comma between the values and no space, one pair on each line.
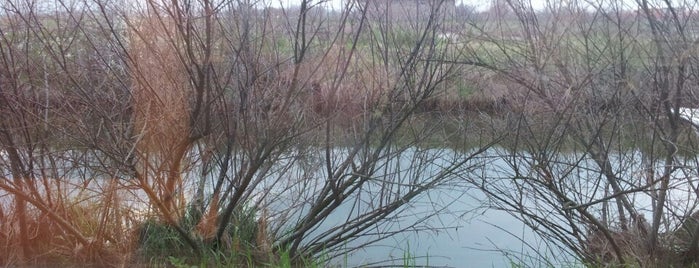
206,227
160,91
101,217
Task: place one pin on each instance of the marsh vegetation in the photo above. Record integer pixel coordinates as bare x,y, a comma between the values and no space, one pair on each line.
230,132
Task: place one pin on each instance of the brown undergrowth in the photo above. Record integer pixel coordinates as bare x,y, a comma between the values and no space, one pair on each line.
71,229
629,246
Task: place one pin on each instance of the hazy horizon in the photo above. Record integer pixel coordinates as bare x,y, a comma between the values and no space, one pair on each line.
337,4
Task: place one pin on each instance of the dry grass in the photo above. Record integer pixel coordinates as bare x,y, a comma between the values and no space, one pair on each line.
161,110
103,220
632,244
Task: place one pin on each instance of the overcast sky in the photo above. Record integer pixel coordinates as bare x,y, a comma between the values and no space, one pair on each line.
482,5
336,4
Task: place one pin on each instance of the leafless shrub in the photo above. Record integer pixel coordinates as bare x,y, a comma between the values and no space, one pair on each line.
603,140
184,113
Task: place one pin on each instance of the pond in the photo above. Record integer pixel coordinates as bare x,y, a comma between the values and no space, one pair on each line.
494,238
466,232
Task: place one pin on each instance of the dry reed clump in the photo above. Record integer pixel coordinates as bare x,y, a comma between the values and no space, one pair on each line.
346,90
601,249
206,228
472,92
161,113
102,220
327,86
632,244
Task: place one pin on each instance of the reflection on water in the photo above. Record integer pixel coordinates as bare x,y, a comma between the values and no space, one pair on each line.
464,234
490,240
494,238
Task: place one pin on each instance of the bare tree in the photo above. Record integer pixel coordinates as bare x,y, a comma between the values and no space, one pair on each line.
189,113
598,140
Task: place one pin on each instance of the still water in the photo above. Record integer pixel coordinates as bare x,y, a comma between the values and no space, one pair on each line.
466,233
486,237
473,237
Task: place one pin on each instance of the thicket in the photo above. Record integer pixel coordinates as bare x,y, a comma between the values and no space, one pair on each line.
211,132
217,132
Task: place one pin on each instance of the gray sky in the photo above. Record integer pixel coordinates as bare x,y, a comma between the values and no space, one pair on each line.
336,4
482,5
